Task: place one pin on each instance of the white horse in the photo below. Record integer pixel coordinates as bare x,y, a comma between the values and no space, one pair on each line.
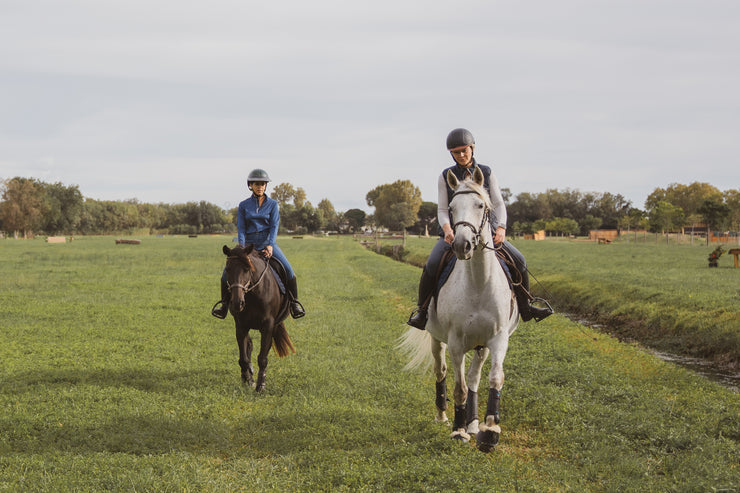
474,310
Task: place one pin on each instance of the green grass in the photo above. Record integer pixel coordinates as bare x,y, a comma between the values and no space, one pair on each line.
115,377
662,295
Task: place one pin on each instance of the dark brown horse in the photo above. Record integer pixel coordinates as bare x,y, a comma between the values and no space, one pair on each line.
256,303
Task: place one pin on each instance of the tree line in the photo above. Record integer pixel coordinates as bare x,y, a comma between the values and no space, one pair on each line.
572,212
30,206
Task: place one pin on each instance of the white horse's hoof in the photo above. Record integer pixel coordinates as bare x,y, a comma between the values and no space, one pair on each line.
488,436
461,435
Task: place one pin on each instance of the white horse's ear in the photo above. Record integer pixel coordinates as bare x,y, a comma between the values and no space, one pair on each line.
452,180
478,176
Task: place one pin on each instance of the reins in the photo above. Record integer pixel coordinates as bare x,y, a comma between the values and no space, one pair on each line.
249,286
477,231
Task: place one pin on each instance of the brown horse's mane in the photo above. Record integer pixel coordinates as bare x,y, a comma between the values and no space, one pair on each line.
243,255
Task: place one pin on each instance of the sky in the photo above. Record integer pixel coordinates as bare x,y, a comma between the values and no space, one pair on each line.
176,101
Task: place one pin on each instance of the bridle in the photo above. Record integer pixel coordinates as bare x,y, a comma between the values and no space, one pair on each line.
477,240
248,286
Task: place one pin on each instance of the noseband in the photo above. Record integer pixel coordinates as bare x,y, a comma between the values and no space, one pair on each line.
476,230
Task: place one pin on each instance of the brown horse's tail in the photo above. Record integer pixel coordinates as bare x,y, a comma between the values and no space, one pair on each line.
281,342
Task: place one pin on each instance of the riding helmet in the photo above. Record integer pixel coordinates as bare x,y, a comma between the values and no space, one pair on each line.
258,175
459,137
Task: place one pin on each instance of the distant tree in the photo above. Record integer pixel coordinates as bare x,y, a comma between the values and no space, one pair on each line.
23,206
732,200
302,220
562,226
327,215
426,218
714,213
355,218
687,197
589,223
396,204
62,208
665,217
299,198
283,193
633,219
506,195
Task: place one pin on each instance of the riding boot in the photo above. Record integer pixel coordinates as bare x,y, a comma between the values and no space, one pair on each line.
418,318
296,309
221,308
524,301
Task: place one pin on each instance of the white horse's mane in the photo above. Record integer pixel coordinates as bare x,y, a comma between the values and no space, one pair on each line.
469,184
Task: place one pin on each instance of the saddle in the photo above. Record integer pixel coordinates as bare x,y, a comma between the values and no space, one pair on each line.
448,263
278,271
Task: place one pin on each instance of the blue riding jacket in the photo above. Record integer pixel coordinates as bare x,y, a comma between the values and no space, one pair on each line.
258,224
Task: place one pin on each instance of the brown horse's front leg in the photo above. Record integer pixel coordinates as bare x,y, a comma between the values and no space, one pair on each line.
245,355
265,345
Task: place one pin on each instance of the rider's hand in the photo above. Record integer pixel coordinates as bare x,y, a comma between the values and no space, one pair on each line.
500,236
449,233
267,251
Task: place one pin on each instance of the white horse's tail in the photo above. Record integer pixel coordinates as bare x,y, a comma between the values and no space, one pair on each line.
417,346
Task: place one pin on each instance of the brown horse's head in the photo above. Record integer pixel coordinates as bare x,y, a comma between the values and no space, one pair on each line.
239,269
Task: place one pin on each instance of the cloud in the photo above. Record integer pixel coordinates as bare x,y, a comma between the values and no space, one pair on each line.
173,102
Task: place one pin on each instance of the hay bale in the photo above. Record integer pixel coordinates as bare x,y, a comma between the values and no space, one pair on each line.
56,239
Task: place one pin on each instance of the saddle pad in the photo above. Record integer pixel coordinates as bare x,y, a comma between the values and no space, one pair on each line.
447,270
278,279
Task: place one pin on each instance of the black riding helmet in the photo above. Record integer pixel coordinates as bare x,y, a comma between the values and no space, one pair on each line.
257,175
460,137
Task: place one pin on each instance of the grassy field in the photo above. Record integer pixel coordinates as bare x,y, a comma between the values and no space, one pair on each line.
662,295
114,377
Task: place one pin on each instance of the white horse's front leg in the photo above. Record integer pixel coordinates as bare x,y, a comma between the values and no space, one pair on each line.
474,372
460,395
490,431
440,371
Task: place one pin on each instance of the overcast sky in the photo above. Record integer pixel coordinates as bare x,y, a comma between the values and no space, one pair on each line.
176,101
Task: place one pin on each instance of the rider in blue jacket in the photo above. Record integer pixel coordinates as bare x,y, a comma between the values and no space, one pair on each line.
258,221
461,144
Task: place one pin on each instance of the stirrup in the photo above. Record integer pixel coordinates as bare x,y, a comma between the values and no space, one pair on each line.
295,312
220,311
418,318
549,309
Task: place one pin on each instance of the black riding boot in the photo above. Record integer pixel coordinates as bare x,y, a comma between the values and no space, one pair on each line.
526,309
296,309
418,318
221,308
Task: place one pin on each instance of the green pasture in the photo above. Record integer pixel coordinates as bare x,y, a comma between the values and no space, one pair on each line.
663,295
114,377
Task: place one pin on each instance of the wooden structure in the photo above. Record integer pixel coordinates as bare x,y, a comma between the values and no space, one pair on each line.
120,241
603,234
538,236
735,252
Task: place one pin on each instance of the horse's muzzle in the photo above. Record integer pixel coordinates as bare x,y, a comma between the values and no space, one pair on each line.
463,247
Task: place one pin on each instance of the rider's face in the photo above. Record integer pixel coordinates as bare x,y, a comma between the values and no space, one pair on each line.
258,188
463,155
